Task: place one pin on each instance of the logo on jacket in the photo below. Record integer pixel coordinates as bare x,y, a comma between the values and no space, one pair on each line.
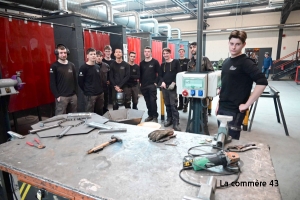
51,70
232,67
150,65
122,67
80,74
70,71
97,70
134,70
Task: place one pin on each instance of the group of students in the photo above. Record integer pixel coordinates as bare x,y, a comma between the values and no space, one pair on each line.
101,78
98,75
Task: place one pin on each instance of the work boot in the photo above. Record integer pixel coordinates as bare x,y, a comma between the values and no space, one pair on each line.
180,107
155,120
134,106
176,126
127,105
184,108
169,122
148,119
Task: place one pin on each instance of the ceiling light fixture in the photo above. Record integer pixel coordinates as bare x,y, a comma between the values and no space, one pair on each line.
221,13
154,1
182,17
261,9
120,6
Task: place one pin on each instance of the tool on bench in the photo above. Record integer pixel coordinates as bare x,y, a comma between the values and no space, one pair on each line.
15,135
114,139
77,116
203,162
161,135
105,128
42,129
241,148
39,146
42,123
222,136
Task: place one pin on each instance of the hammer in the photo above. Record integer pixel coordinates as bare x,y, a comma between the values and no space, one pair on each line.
101,146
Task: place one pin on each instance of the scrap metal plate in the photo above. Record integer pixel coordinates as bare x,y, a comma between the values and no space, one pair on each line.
81,129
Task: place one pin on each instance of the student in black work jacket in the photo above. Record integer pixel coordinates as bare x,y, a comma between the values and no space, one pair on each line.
183,64
63,82
167,79
131,88
118,75
104,70
149,69
89,80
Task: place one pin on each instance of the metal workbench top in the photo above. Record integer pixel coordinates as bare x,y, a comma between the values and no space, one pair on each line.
135,169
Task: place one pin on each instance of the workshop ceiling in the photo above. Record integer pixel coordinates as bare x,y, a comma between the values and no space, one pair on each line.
175,10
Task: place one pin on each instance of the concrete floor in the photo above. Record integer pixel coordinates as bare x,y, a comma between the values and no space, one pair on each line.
265,129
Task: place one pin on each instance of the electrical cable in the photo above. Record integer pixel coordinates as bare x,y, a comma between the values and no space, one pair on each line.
12,186
193,156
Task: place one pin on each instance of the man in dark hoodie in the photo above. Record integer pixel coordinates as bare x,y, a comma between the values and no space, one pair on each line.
167,75
89,80
131,88
118,76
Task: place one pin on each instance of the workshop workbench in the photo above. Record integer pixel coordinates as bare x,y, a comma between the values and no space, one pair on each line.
135,169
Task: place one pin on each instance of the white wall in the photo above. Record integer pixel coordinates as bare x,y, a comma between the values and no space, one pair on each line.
217,44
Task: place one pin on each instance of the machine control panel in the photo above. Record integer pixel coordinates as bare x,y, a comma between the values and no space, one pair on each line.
198,85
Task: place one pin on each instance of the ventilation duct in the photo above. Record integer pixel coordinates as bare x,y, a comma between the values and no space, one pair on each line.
127,14
178,32
150,20
62,6
168,27
106,3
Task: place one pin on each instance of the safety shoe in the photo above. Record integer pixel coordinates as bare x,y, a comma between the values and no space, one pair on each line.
184,109
176,126
155,120
180,107
168,123
148,119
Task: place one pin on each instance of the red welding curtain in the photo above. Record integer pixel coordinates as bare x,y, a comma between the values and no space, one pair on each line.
27,47
157,50
134,44
96,40
172,47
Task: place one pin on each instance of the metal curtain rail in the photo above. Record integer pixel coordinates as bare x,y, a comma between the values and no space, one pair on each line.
101,31
137,37
33,20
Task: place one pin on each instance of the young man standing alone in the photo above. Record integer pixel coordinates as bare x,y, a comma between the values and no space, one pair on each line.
149,69
238,74
167,75
118,76
131,88
63,82
267,65
89,80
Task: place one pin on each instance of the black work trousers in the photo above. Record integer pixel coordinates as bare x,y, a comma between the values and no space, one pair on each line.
171,100
150,95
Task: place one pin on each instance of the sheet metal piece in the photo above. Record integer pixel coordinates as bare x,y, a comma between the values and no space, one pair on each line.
81,129
114,130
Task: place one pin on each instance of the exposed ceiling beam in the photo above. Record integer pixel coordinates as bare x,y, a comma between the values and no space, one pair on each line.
287,7
183,7
232,14
209,9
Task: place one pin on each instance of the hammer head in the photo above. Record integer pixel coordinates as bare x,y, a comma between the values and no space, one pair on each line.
116,138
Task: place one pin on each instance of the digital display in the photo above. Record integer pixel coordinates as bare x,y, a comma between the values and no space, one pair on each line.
193,83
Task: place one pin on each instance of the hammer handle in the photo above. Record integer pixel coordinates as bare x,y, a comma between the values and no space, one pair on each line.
101,146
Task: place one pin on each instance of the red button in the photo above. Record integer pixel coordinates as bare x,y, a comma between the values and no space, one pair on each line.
185,93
